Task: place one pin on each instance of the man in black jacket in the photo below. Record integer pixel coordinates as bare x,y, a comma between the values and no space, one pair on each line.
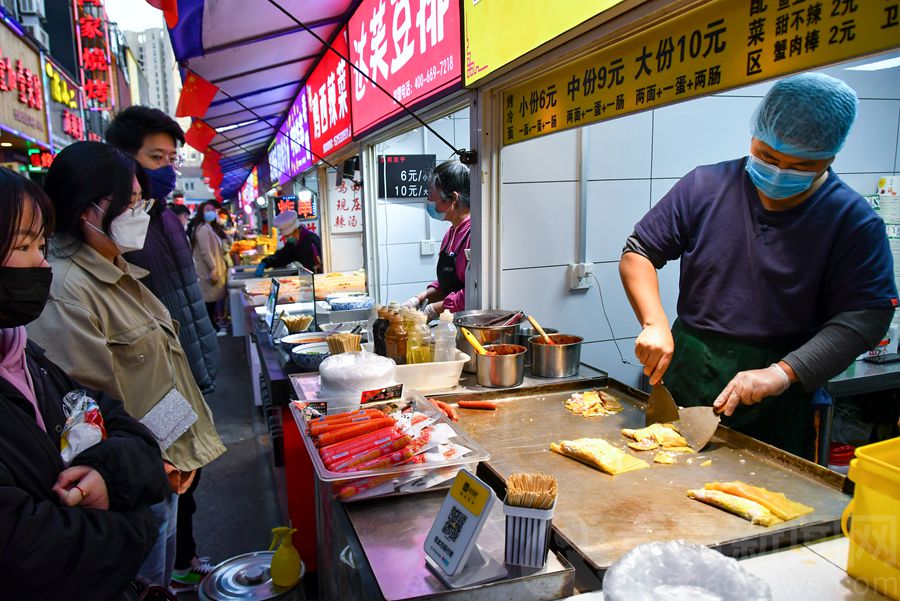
50,551
152,138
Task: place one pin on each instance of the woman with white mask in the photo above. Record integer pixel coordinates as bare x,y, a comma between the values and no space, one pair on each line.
108,331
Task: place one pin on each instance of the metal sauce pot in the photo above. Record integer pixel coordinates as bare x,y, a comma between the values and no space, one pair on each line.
474,322
558,360
502,370
523,336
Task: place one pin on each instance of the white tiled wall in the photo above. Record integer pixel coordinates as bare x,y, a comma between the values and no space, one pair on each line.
401,224
632,163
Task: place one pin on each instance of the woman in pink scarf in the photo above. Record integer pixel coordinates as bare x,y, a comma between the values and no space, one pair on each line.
77,532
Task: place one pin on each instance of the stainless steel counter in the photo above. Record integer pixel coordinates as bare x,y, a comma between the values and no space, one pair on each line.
392,532
863,376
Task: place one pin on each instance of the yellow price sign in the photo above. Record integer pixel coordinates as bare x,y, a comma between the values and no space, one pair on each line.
499,31
470,493
721,45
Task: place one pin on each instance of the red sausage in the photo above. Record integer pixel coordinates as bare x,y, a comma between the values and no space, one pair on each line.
477,405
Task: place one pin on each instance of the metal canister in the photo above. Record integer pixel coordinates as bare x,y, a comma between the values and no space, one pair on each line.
524,333
474,321
501,371
248,578
558,360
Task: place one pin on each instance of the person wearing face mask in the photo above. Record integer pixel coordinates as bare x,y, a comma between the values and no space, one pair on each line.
786,273
65,532
448,200
108,331
152,138
209,256
300,245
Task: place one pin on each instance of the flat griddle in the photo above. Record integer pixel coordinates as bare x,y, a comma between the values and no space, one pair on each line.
601,517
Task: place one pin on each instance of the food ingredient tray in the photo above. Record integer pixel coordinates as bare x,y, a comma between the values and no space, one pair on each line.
600,517
399,479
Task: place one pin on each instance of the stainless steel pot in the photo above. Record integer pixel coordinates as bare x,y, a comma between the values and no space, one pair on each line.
474,322
501,371
523,334
559,360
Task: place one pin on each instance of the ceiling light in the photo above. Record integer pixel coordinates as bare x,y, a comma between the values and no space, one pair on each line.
261,201
887,63
5,144
305,195
228,128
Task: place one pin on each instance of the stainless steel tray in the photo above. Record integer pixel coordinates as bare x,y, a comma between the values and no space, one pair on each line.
601,517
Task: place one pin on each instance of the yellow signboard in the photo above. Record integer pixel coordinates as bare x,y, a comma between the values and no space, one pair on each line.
499,31
721,45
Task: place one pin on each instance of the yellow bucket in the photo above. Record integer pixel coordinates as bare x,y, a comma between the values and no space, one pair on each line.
874,532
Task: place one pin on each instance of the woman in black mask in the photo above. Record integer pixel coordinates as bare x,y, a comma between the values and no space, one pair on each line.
64,532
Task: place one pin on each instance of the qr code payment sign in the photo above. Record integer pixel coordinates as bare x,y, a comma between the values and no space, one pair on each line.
454,524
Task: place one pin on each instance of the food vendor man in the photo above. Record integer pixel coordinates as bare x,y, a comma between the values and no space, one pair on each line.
300,245
448,200
786,272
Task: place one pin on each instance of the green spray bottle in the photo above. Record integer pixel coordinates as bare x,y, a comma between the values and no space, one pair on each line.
286,561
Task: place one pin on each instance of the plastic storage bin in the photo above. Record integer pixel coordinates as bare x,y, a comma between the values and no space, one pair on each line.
872,517
527,535
432,377
400,479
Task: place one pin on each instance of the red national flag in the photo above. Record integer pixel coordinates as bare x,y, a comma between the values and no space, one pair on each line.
219,196
196,94
199,135
211,156
215,180
169,8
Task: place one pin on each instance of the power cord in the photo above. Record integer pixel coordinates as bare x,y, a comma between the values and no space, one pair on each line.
609,324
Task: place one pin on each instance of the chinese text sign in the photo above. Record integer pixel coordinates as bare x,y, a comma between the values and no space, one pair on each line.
409,47
328,88
721,45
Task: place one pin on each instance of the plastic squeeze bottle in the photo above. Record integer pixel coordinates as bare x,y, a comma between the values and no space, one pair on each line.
418,342
286,561
445,338
395,340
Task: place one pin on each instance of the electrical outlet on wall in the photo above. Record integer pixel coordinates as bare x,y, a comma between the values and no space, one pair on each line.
579,276
426,248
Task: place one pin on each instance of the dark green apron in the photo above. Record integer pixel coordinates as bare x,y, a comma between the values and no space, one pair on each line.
705,362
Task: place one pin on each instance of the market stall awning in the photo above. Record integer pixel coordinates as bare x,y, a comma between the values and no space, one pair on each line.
258,57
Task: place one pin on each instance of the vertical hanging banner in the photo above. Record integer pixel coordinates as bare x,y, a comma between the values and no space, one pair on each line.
328,88
344,207
92,37
411,48
721,45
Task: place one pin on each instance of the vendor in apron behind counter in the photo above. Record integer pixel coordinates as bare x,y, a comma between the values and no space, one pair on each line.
786,273
300,245
448,200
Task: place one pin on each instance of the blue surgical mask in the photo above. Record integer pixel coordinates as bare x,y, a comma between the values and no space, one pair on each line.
162,181
209,216
776,183
431,209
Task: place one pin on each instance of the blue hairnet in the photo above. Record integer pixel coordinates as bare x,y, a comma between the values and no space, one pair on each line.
806,116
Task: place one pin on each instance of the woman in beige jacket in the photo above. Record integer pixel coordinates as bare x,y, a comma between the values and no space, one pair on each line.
108,331
209,257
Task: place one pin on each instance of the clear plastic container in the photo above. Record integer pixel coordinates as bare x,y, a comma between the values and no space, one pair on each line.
395,340
444,338
418,341
400,479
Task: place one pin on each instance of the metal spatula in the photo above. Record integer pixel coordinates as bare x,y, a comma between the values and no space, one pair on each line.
697,425
661,407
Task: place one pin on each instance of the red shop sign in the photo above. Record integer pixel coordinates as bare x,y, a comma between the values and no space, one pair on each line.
411,48
328,89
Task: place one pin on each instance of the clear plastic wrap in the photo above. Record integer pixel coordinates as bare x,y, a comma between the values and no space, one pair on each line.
677,570
348,375
84,425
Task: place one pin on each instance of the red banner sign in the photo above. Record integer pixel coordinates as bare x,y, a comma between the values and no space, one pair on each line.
411,48
328,89
92,34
